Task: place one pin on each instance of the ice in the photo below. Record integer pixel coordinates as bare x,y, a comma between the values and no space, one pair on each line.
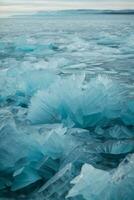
19,86
128,114
115,132
57,143
103,155
97,101
116,147
9,135
97,184
58,185
40,156
67,107
26,177
54,133
19,170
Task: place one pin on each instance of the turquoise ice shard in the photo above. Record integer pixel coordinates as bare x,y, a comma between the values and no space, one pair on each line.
57,143
58,185
24,143
99,101
128,114
97,184
19,86
25,177
116,147
39,79
23,160
12,143
90,183
114,132
101,154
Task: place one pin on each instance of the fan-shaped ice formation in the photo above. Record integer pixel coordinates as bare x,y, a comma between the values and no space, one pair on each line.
98,102
52,154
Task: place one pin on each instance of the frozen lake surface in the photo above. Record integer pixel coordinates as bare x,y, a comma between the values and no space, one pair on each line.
67,107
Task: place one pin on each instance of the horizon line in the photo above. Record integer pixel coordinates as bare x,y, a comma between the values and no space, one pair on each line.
103,11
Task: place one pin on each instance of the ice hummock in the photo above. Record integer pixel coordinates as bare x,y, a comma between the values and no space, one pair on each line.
52,123
28,159
109,185
99,102
67,106
65,123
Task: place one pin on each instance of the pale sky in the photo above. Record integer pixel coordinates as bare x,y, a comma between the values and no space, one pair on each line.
9,7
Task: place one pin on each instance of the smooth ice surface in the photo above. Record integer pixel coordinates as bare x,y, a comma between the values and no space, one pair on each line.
67,107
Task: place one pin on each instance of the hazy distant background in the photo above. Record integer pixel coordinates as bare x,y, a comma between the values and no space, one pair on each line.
10,7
